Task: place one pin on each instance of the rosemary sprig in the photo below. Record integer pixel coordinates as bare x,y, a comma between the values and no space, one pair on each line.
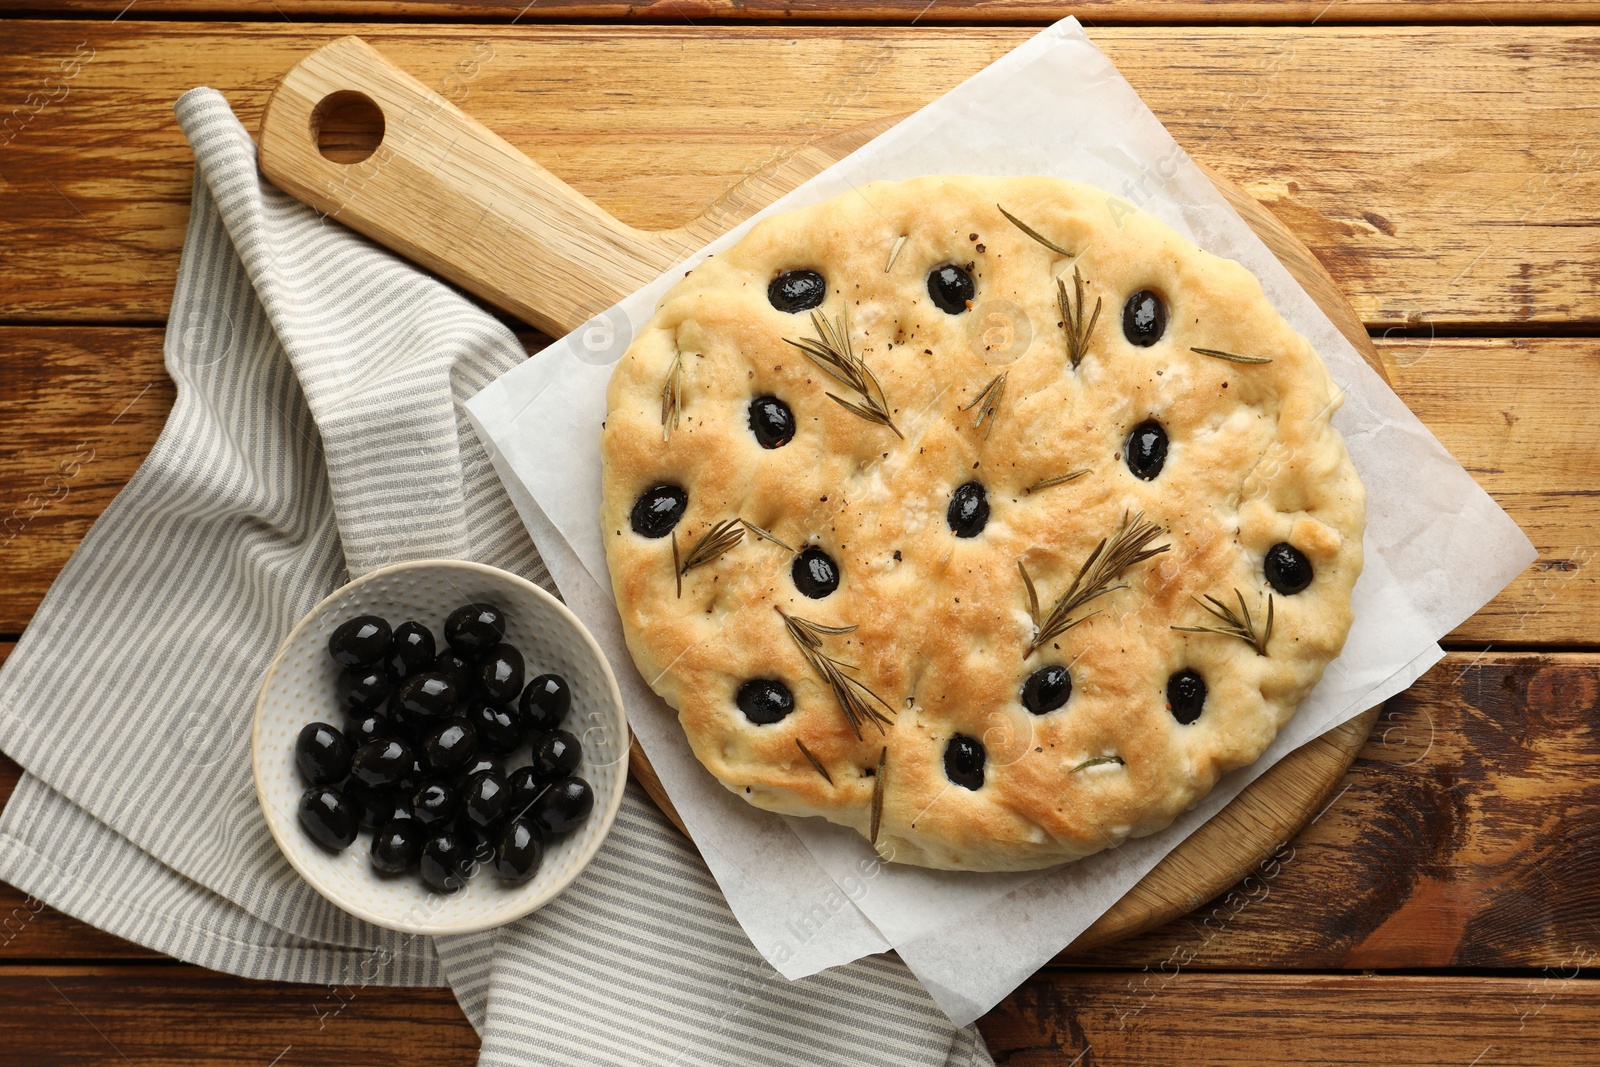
1128,547
672,397
852,695
894,253
713,543
1231,357
1096,761
1239,624
988,403
878,787
1060,479
1072,318
831,351
1035,234
765,536
806,752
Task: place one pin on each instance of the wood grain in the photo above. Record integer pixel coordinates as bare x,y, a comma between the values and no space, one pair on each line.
1439,195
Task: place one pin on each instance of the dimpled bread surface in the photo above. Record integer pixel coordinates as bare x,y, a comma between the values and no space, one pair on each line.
942,623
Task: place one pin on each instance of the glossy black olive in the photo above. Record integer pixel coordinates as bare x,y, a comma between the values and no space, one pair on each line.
1047,689
968,513
359,729
1186,696
500,674
658,510
381,763
556,755
481,763
410,649
563,807
486,798
1287,568
461,671
963,761
952,288
361,641
396,847
362,688
329,817
815,573
771,421
545,703
797,290
474,628
518,851
322,753
764,701
525,789
450,745
1146,449
499,729
430,695
445,862
435,801
1144,318
478,840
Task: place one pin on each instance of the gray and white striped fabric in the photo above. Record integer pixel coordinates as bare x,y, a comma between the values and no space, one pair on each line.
317,434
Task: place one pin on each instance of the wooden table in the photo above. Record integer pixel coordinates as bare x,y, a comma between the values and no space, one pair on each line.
1444,906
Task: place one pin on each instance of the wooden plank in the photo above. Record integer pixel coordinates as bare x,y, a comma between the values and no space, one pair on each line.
178,1014
1406,184
1517,413
1062,1019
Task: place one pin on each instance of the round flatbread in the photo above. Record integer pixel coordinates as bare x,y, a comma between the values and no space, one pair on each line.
986,516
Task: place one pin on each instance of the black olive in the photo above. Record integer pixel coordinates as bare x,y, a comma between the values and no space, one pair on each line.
360,729
545,703
797,290
771,421
322,753
430,695
375,806
1186,696
475,628
361,641
951,288
968,513
1047,689
518,850
397,846
329,817
445,862
562,808
556,755
482,763
963,761
525,789
362,688
1146,449
1144,318
658,510
500,673
410,649
1287,568
478,840
486,797
381,763
764,701
451,745
435,801
499,729
814,573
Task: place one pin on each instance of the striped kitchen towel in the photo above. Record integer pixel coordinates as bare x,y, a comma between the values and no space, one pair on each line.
317,434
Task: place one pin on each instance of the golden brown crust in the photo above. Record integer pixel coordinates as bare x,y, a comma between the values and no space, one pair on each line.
942,623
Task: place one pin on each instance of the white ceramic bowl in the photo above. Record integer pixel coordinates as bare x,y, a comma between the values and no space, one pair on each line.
299,689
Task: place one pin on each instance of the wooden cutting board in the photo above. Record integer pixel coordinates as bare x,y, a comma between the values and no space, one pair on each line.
356,137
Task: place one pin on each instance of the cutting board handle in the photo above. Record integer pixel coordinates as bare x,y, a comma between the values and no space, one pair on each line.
443,190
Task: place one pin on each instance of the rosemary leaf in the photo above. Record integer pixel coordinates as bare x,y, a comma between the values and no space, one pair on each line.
672,397
1231,357
1235,624
806,752
1035,234
854,698
1113,556
877,792
1060,479
1096,761
677,570
764,535
894,253
1078,332
988,403
713,543
830,350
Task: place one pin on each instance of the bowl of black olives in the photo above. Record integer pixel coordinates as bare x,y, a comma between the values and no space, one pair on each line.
439,747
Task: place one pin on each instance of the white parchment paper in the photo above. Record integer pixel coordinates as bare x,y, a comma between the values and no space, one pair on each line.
811,895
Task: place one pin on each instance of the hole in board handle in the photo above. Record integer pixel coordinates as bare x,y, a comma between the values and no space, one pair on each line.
347,126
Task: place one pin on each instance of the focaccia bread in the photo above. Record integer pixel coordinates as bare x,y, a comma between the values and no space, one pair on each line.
986,516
